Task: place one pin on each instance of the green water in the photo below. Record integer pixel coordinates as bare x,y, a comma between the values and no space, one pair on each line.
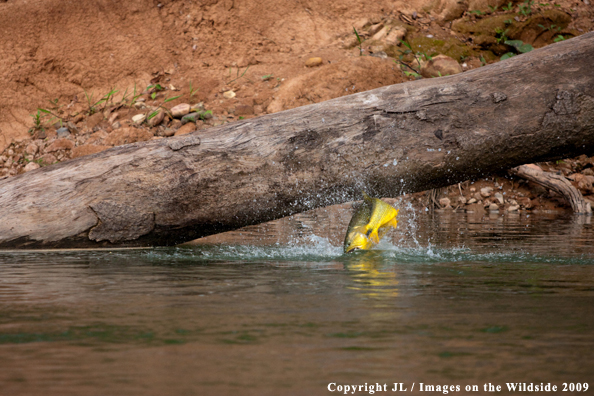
277,309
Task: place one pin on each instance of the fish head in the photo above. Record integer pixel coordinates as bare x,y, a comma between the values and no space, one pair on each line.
357,241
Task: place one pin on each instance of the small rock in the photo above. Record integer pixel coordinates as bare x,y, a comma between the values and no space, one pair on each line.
48,159
242,110
168,132
462,200
513,208
60,144
486,191
471,201
88,149
380,34
31,149
10,152
396,35
157,119
139,118
79,117
180,110
96,137
312,62
139,105
62,132
588,172
126,136
372,31
525,202
512,202
197,107
116,125
440,66
229,94
71,127
8,162
445,202
113,117
31,166
478,196
94,119
493,207
185,129
192,117
499,197
472,189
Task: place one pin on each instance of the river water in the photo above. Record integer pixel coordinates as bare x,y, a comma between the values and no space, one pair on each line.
277,309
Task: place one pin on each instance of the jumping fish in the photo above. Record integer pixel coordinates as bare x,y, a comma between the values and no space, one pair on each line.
370,222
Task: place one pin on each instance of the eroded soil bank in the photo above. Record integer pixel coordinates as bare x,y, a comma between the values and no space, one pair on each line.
104,73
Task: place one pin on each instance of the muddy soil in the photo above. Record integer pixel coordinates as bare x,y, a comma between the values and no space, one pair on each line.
80,77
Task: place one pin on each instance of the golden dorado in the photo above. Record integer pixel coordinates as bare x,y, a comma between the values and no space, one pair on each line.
370,222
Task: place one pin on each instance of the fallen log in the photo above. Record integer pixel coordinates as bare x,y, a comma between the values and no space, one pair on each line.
392,140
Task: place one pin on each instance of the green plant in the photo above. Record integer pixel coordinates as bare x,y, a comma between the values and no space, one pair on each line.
202,115
267,77
415,72
135,96
38,124
411,74
526,7
508,21
477,12
559,38
507,56
359,40
493,9
92,106
508,7
552,27
238,76
159,107
519,45
544,4
483,61
153,89
193,91
500,35
241,117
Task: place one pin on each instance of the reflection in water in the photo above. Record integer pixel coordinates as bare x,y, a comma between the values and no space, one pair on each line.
371,278
279,309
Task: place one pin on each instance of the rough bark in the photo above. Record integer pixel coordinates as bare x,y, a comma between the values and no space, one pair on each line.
403,138
557,183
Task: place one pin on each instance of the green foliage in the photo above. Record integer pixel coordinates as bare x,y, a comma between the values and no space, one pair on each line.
509,7
493,9
559,38
359,40
166,100
477,12
483,61
519,45
526,7
500,35
552,27
267,77
238,76
193,91
507,55
202,115
508,21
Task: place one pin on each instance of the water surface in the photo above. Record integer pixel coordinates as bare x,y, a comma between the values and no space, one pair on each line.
277,309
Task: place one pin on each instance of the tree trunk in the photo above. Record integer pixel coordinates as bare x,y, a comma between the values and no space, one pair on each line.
402,138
